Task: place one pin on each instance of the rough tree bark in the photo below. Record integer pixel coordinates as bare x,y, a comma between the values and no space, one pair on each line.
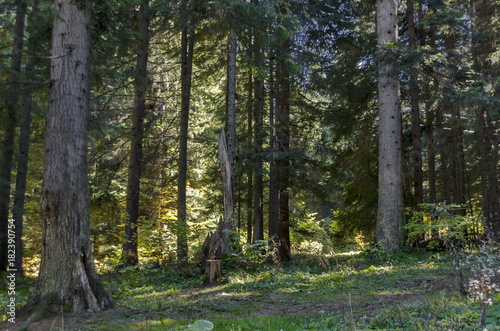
129,254
67,279
389,227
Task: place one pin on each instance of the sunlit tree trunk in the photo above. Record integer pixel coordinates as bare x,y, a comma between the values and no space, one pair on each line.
389,227
9,123
129,254
67,279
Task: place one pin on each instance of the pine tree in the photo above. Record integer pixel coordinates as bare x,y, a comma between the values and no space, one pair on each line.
67,279
389,231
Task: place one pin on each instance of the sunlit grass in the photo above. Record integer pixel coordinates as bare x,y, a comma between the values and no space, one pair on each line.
350,292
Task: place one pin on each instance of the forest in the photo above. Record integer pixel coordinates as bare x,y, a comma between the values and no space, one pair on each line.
249,164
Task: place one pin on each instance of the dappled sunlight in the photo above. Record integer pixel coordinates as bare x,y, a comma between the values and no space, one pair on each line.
159,324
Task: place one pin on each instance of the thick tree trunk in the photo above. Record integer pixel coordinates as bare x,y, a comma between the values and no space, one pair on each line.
389,227
129,254
67,280
10,123
24,141
187,49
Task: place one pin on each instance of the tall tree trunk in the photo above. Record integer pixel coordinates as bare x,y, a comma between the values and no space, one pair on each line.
281,235
431,145
389,227
458,159
283,163
418,177
231,96
258,198
444,168
227,191
458,195
231,122
10,123
273,146
67,279
24,141
250,168
258,139
187,49
129,254
484,45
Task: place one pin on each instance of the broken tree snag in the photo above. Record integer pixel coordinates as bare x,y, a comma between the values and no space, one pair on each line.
216,245
219,243
213,270
227,182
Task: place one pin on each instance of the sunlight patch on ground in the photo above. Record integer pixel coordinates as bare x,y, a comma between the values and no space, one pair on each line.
351,253
160,324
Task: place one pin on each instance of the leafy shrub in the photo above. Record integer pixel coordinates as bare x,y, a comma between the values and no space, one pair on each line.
435,226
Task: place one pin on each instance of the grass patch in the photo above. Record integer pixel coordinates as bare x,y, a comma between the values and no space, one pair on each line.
404,291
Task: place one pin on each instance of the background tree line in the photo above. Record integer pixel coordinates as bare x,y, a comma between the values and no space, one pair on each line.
295,85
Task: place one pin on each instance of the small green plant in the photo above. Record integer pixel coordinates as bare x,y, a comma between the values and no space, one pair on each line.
249,256
492,316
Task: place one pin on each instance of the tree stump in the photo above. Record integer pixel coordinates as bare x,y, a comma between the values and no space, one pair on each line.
213,270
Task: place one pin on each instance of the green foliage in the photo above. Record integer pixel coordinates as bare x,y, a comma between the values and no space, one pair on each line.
435,224
248,256
493,313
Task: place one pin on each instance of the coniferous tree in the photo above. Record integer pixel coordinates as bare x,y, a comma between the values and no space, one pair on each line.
389,230
24,138
187,53
67,279
483,47
130,255
10,119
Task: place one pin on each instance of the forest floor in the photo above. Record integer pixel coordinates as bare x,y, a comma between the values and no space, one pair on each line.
407,291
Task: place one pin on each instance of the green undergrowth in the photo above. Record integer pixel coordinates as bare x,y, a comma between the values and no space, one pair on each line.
356,291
